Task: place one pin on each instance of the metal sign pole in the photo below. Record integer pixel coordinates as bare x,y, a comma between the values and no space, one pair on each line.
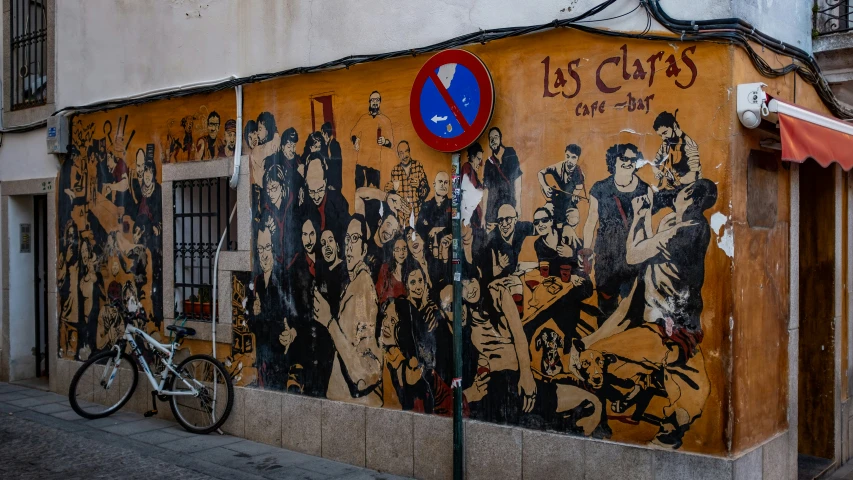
458,444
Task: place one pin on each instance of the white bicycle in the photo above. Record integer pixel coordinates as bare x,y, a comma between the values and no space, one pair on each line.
199,390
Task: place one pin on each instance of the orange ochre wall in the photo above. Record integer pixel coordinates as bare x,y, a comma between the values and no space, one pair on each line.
540,111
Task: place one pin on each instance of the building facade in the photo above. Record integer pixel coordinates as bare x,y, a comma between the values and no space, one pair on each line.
649,290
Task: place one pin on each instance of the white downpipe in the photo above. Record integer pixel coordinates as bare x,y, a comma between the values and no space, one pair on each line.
215,307
215,283
238,151
235,178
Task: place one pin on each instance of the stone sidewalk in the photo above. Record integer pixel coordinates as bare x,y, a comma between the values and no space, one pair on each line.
42,438
843,473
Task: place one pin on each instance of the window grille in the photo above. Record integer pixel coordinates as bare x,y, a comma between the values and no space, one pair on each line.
28,68
832,16
201,215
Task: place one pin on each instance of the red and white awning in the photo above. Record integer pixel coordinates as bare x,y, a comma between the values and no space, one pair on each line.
803,133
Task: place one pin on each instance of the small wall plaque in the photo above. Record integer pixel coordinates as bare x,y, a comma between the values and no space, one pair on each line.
25,238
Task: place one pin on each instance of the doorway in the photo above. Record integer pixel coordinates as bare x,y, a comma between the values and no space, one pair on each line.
817,389
40,261
28,288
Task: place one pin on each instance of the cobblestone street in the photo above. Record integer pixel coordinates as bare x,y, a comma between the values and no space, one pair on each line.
42,438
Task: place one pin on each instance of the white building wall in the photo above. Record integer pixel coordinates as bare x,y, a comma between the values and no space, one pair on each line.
24,156
109,48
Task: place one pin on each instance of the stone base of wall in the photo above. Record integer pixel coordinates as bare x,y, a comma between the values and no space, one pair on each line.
421,446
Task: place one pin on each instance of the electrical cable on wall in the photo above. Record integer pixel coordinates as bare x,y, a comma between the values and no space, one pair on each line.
732,31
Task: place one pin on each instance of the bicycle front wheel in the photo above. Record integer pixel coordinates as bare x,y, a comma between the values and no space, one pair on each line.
101,386
202,394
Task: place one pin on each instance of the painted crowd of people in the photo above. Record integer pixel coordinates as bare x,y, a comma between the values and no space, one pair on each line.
110,249
351,299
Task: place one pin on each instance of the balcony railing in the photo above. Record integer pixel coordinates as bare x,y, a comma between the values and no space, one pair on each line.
832,16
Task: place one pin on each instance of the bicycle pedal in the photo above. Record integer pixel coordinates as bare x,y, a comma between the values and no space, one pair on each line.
150,413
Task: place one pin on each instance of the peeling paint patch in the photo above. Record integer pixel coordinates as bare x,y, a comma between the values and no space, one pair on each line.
446,74
727,243
629,130
471,197
725,236
717,221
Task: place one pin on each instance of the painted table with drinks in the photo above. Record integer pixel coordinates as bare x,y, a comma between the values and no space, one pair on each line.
553,299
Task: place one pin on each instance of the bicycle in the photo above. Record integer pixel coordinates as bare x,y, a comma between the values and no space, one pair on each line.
194,388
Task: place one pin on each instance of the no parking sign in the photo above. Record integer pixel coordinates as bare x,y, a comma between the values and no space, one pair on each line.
452,100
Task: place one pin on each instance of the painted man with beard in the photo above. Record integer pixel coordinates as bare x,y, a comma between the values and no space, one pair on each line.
504,243
408,178
328,206
435,213
357,368
227,148
677,160
208,147
570,182
501,177
372,139
332,273
302,271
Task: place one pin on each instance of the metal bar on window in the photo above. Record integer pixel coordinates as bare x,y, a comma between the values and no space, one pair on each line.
28,44
198,220
219,208
209,234
832,16
192,245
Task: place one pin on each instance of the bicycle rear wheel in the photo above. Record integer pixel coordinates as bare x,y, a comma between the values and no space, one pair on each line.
208,409
100,387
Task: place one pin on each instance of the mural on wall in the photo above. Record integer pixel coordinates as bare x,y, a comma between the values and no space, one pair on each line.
583,275
589,277
242,358
109,262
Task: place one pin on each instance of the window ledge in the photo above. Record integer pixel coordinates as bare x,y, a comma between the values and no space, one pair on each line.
26,116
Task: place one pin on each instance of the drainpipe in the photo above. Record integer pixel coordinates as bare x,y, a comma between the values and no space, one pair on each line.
235,179
238,150
458,440
215,283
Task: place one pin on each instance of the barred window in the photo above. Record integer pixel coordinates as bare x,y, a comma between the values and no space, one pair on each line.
28,62
201,216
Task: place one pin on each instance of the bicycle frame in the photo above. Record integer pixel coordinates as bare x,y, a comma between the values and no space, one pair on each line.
166,349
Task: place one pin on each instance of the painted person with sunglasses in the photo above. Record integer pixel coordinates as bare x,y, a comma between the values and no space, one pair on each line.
357,368
549,247
608,223
505,241
267,320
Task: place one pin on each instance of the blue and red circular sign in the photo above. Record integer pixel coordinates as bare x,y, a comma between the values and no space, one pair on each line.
452,100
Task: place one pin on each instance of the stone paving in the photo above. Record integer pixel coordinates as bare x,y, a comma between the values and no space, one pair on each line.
42,438
845,473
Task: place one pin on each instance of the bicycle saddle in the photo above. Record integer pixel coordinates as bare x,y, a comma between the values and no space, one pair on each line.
181,331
